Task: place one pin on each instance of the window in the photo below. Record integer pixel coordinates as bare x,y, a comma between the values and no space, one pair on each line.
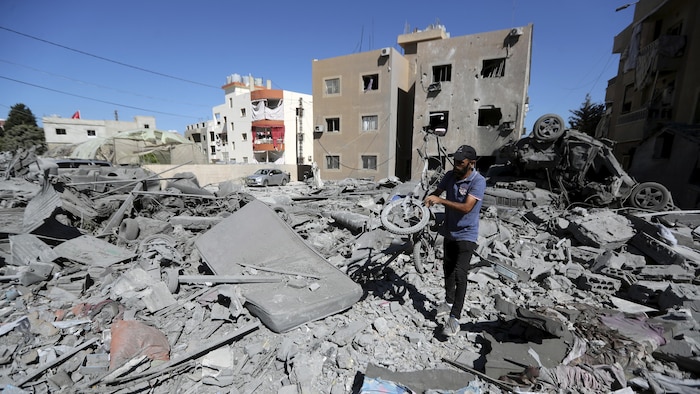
490,116
370,82
147,126
245,159
493,68
242,112
332,162
212,149
211,136
91,133
60,131
244,136
230,102
333,125
442,73
332,86
627,99
218,118
369,123
369,162
663,146
438,122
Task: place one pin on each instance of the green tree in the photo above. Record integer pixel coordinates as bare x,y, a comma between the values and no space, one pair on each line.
21,130
23,136
586,118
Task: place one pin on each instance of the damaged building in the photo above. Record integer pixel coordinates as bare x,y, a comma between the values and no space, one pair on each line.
371,109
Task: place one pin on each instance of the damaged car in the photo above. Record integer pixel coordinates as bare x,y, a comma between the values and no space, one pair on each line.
580,168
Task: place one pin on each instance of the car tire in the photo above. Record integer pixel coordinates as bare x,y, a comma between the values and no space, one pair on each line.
129,229
548,127
265,183
650,195
284,181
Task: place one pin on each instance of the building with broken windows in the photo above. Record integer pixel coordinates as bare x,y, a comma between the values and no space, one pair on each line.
371,109
655,96
257,124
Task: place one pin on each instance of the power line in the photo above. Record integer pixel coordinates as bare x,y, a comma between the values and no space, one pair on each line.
109,60
102,86
98,100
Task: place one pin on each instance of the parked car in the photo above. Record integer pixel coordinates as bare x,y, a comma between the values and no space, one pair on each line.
268,177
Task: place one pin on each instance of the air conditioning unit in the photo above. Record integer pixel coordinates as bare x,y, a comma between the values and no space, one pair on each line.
385,51
319,128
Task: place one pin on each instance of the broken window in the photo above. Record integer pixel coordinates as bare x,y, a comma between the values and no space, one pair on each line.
332,86
493,68
663,145
370,82
442,73
438,122
369,162
490,116
370,123
333,124
60,131
332,162
91,133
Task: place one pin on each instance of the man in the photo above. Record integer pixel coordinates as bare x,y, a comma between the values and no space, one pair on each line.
464,188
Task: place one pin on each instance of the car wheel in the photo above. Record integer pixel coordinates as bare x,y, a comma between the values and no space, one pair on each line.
265,183
284,181
548,127
650,195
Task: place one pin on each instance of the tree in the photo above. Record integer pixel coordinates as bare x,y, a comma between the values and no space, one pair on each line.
21,130
586,118
19,114
23,136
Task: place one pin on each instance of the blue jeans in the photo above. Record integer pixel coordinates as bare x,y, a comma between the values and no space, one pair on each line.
458,254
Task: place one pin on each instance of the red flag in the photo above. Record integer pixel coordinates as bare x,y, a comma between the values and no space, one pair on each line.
76,115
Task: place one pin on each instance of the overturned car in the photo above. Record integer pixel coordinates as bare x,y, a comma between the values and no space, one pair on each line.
576,166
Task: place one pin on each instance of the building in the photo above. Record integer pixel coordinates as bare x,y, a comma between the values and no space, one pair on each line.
657,85
657,82
362,105
257,124
61,132
372,109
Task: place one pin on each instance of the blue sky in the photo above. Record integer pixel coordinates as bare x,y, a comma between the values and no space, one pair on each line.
189,47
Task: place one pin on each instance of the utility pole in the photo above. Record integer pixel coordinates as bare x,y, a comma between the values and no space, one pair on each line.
116,115
300,133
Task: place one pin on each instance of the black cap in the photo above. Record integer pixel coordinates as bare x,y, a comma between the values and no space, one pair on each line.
464,152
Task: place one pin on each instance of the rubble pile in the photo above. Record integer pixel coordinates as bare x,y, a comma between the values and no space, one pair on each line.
140,284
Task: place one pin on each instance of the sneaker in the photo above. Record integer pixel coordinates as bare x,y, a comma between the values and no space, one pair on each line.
452,327
443,309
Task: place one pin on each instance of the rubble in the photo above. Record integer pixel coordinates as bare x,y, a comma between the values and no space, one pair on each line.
159,287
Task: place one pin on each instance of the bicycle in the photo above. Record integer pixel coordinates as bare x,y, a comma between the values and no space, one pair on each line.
406,214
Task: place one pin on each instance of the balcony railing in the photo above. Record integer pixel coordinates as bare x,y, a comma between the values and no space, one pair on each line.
635,116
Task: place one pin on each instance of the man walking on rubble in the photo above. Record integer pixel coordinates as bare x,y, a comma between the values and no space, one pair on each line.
464,188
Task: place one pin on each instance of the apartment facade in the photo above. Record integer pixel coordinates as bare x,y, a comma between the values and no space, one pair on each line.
654,100
657,82
257,124
372,109
60,131
359,113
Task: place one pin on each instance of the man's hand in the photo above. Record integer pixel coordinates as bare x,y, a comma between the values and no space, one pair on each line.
432,200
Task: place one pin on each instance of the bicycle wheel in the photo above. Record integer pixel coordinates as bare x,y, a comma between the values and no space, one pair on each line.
405,216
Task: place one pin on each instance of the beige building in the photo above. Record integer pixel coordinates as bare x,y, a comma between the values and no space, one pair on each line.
657,81
257,124
68,131
371,109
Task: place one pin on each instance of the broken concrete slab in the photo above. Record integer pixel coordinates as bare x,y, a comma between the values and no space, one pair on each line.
90,250
603,229
255,234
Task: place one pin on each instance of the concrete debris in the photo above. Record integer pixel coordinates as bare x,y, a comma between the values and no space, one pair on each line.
132,283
